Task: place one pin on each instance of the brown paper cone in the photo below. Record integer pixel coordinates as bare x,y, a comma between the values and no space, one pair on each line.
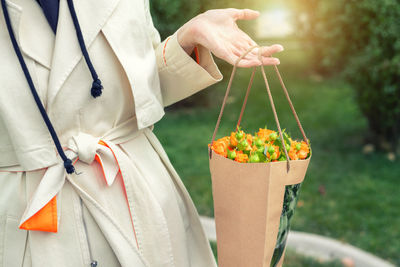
248,201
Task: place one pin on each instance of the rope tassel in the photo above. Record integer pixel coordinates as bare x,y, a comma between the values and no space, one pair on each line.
97,87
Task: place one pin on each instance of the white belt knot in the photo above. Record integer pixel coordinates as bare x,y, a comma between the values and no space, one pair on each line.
85,148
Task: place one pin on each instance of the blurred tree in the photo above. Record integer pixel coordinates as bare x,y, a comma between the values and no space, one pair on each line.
169,15
361,39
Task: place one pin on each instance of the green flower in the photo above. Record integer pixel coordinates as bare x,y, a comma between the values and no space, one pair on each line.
287,147
260,149
273,136
282,158
239,135
254,158
258,142
231,154
242,145
298,146
271,150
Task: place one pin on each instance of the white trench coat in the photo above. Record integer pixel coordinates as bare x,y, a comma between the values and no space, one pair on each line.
127,205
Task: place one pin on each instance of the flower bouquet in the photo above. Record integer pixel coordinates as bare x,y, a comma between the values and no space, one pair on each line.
255,183
264,146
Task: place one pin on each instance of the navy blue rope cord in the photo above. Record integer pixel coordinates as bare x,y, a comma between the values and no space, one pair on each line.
67,162
96,85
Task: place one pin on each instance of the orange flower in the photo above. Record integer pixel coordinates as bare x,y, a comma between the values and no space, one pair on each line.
292,154
241,157
296,153
249,138
277,152
264,134
220,146
304,150
224,140
302,154
233,139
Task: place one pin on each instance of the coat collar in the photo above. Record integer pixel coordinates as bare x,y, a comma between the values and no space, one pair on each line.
36,39
60,53
92,16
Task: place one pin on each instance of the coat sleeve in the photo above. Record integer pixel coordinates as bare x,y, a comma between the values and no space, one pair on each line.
180,75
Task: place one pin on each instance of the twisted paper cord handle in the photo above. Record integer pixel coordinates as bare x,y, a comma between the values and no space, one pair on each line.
269,96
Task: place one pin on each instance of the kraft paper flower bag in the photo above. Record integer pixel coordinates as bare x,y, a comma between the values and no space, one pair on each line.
255,191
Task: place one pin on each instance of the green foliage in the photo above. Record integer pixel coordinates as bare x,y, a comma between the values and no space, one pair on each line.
169,15
361,39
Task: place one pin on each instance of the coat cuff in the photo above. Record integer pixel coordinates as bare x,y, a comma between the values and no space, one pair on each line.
180,75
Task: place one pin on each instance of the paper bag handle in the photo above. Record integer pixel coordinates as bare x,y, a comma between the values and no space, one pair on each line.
269,96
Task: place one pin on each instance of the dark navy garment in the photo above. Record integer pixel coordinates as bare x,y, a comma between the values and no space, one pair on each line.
50,10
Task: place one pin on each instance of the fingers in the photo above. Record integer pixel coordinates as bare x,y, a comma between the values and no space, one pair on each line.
252,57
270,61
250,60
254,63
243,14
267,51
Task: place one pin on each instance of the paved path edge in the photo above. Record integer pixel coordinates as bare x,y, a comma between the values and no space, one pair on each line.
316,246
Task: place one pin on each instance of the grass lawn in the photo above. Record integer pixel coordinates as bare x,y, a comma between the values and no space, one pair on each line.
346,195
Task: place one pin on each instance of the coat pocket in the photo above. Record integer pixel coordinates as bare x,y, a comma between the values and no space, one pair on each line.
13,242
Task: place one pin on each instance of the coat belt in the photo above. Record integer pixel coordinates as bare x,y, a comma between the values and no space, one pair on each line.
41,211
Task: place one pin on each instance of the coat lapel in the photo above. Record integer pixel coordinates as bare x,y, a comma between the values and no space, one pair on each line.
32,31
92,15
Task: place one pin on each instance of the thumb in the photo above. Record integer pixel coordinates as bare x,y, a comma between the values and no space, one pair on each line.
245,14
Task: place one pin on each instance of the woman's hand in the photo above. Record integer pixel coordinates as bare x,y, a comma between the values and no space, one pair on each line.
217,30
